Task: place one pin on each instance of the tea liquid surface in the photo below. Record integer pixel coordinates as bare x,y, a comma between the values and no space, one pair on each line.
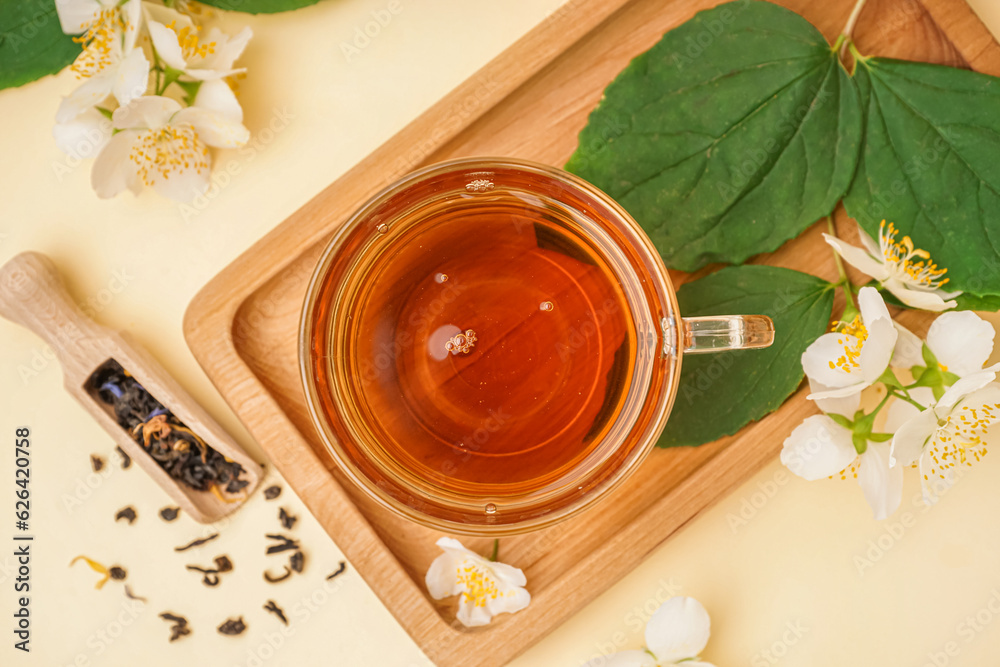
490,347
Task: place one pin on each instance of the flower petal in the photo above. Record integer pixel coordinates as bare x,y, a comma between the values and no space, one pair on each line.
872,306
921,299
858,258
150,111
132,77
182,186
870,244
508,601
166,44
840,392
882,485
132,13
679,629
625,659
76,15
818,448
84,136
213,128
87,95
968,384
899,411
113,171
961,340
910,438
877,349
838,405
909,349
219,97
440,579
227,49
824,352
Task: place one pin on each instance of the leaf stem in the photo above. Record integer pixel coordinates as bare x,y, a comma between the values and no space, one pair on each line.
852,20
905,396
496,550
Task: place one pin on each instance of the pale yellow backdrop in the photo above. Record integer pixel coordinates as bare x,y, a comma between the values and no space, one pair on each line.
792,573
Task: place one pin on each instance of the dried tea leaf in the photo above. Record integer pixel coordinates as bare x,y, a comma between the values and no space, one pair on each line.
340,570
281,577
234,626
297,561
170,513
272,492
273,607
197,543
117,573
126,460
179,627
287,520
127,513
285,544
96,463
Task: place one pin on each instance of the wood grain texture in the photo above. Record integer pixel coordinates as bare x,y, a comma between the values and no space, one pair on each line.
530,102
32,294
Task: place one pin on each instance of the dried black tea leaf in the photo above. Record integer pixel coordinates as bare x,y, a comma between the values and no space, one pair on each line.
132,596
169,513
284,544
273,607
210,577
179,627
197,543
117,573
176,448
223,564
126,459
281,577
340,571
272,492
96,462
297,561
127,513
234,626
287,520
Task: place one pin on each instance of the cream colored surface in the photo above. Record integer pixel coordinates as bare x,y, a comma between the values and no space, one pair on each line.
782,565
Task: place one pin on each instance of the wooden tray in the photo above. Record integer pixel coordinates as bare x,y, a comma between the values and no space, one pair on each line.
530,102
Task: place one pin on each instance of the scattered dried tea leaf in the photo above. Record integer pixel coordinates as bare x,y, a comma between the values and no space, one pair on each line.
117,573
340,571
170,513
272,492
179,627
284,544
275,579
273,607
297,562
234,626
223,564
96,567
127,513
210,577
197,543
287,520
96,462
132,596
126,459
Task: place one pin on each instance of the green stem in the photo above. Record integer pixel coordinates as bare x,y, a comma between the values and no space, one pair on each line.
496,551
905,396
844,282
852,20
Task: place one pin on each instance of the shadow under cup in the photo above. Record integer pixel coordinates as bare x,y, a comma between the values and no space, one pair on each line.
489,346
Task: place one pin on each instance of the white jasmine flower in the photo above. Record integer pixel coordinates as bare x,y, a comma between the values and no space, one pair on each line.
486,588
820,447
180,46
85,135
109,61
908,273
165,146
675,634
949,433
960,340
855,355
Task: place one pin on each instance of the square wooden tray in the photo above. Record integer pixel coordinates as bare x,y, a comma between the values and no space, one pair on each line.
530,102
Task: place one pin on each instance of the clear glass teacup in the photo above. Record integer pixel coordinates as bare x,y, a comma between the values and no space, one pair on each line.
490,346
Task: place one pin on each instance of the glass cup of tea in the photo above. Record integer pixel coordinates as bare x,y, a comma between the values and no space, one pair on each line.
490,346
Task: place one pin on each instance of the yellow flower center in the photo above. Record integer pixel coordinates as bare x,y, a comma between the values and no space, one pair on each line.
98,41
849,471
168,150
478,582
191,45
854,335
902,259
959,439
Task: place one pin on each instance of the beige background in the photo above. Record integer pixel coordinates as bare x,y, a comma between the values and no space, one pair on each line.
792,573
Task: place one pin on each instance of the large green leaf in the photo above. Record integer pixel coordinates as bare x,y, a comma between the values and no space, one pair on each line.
722,392
260,6
31,42
730,136
930,163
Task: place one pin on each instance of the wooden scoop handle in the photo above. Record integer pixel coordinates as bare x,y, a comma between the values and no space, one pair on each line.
33,295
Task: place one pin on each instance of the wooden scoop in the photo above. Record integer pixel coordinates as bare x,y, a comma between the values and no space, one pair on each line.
32,294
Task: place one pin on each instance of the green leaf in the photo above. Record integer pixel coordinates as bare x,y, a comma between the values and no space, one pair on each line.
720,393
31,42
929,164
260,6
733,134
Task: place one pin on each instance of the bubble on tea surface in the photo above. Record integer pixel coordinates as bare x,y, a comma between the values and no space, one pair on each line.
491,508
382,228
461,343
437,342
441,278
546,306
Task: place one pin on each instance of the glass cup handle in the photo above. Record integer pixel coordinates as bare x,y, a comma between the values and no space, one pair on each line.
726,332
